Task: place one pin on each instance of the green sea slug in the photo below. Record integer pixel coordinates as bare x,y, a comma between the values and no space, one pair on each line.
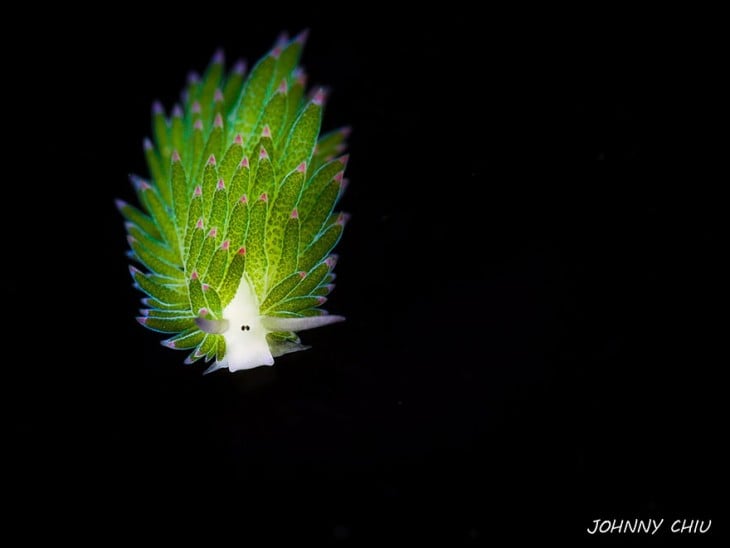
236,222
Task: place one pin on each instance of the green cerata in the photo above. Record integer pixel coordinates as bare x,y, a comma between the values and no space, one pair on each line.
237,221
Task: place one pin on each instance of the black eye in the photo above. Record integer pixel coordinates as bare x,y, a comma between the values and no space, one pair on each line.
245,328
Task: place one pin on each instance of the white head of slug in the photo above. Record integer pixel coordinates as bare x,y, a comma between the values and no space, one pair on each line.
245,331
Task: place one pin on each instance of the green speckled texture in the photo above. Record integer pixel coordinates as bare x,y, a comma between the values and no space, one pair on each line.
240,184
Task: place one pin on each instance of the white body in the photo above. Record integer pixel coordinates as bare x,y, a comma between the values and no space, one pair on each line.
245,331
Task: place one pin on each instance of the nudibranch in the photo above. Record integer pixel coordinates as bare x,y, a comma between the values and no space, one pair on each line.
236,224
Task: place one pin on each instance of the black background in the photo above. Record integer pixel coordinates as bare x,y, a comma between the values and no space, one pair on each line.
529,278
